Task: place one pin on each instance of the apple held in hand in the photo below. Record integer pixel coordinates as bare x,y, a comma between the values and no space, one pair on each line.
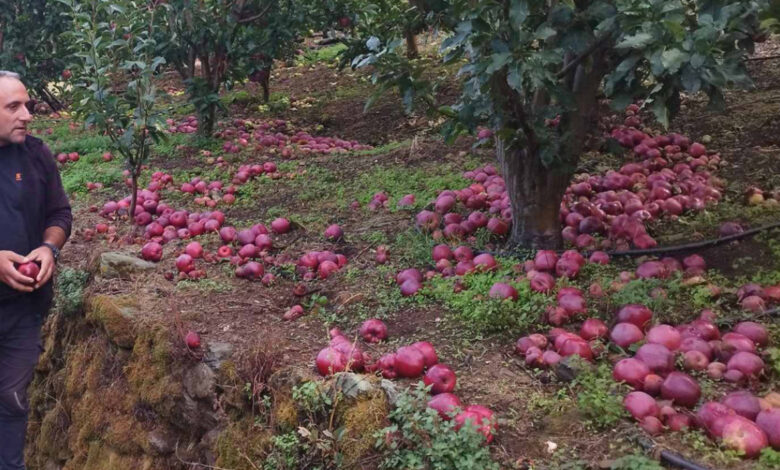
29,269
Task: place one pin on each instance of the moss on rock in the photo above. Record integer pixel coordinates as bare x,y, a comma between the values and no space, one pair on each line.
149,372
361,420
115,315
242,445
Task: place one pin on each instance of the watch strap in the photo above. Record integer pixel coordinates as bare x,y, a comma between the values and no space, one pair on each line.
54,250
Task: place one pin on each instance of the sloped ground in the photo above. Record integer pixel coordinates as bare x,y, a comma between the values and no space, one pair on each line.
536,412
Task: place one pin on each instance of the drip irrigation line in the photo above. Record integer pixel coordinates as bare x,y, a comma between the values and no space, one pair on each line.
667,458
677,460
696,245
662,250
766,57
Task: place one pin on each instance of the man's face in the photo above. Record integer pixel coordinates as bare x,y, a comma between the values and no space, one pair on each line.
14,116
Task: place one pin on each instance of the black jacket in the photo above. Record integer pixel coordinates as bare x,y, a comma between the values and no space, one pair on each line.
45,205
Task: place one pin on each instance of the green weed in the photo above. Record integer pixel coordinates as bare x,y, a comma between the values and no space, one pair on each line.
70,285
277,103
600,398
421,439
770,459
327,54
543,404
483,313
635,462
204,285
424,183
700,442
284,453
412,248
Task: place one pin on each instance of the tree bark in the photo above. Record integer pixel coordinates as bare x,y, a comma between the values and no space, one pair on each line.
412,52
50,99
133,194
536,193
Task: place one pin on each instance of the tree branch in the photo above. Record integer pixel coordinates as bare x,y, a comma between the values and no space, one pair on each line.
587,52
255,17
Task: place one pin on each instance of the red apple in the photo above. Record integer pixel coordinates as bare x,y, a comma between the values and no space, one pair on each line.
373,330
29,269
442,379
192,339
152,251
330,361
743,435
428,352
445,404
409,362
769,422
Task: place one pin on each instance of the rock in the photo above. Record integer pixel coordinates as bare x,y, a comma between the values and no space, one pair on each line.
286,378
199,381
217,353
570,367
391,391
352,385
117,317
161,442
113,264
51,465
197,415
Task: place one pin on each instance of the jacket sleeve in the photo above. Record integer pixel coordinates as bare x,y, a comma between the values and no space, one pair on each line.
58,212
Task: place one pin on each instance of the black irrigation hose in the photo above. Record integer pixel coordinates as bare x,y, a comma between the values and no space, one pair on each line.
668,458
696,245
667,249
676,460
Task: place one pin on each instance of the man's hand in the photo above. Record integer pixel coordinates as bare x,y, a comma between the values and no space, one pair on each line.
13,278
43,255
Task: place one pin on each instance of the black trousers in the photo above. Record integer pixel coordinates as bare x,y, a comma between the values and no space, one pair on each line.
20,347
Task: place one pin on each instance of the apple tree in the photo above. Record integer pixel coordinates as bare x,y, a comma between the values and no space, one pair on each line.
217,43
30,45
532,72
114,67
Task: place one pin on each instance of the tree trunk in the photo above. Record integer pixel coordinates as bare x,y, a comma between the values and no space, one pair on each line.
412,52
50,99
265,83
133,194
536,193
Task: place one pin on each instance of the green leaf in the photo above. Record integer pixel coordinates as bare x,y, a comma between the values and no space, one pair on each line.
544,32
672,60
498,61
690,79
518,13
677,30
515,78
635,41
157,62
661,112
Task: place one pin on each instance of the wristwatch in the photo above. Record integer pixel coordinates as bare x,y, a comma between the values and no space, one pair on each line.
54,250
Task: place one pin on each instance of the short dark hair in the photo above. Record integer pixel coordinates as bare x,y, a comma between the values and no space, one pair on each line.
7,74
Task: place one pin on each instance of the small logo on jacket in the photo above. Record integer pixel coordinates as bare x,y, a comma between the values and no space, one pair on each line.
18,177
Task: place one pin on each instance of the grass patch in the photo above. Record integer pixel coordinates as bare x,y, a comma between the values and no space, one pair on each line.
424,183
325,54
600,398
468,298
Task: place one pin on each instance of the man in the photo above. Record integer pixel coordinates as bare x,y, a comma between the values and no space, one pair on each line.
35,222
